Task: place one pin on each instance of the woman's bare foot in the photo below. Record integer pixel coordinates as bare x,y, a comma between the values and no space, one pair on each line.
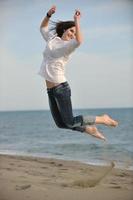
105,119
93,131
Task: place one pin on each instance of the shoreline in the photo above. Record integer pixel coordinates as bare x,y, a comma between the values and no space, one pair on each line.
118,165
29,177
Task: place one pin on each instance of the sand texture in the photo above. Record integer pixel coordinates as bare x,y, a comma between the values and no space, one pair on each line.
31,178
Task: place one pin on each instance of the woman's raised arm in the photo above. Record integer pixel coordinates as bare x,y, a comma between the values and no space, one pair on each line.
77,17
49,14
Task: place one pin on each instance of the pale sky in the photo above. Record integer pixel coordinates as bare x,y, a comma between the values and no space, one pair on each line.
99,71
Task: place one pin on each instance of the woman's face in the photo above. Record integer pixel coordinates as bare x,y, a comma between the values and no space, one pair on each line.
69,34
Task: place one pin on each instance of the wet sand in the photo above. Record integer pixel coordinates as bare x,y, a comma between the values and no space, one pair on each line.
31,178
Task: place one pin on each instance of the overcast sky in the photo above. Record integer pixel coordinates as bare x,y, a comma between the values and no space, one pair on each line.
99,71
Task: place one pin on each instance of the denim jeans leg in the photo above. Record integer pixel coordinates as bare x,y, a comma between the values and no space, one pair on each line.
63,100
54,111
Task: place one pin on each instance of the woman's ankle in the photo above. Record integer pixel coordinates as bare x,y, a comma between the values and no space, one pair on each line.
99,120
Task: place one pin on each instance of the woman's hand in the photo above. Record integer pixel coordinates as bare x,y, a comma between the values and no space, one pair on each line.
77,14
52,10
49,14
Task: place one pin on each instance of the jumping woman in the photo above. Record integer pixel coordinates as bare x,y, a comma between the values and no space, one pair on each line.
61,40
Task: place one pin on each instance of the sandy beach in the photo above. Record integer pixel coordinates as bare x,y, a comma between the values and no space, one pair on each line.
34,178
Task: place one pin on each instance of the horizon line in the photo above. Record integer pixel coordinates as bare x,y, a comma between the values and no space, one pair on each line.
47,109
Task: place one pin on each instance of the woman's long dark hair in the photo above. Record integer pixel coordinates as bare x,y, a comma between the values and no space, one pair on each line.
61,26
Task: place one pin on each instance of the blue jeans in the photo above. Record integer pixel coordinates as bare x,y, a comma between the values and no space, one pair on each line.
61,109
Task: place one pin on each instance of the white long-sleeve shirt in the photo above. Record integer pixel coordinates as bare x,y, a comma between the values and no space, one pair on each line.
55,56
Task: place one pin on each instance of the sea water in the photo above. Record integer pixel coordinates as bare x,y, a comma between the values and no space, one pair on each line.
34,133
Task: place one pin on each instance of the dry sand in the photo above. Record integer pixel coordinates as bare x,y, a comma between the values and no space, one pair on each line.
30,178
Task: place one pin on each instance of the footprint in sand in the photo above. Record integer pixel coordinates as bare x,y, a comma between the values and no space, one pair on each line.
52,163
22,187
115,186
56,164
63,169
11,164
44,167
8,168
123,174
